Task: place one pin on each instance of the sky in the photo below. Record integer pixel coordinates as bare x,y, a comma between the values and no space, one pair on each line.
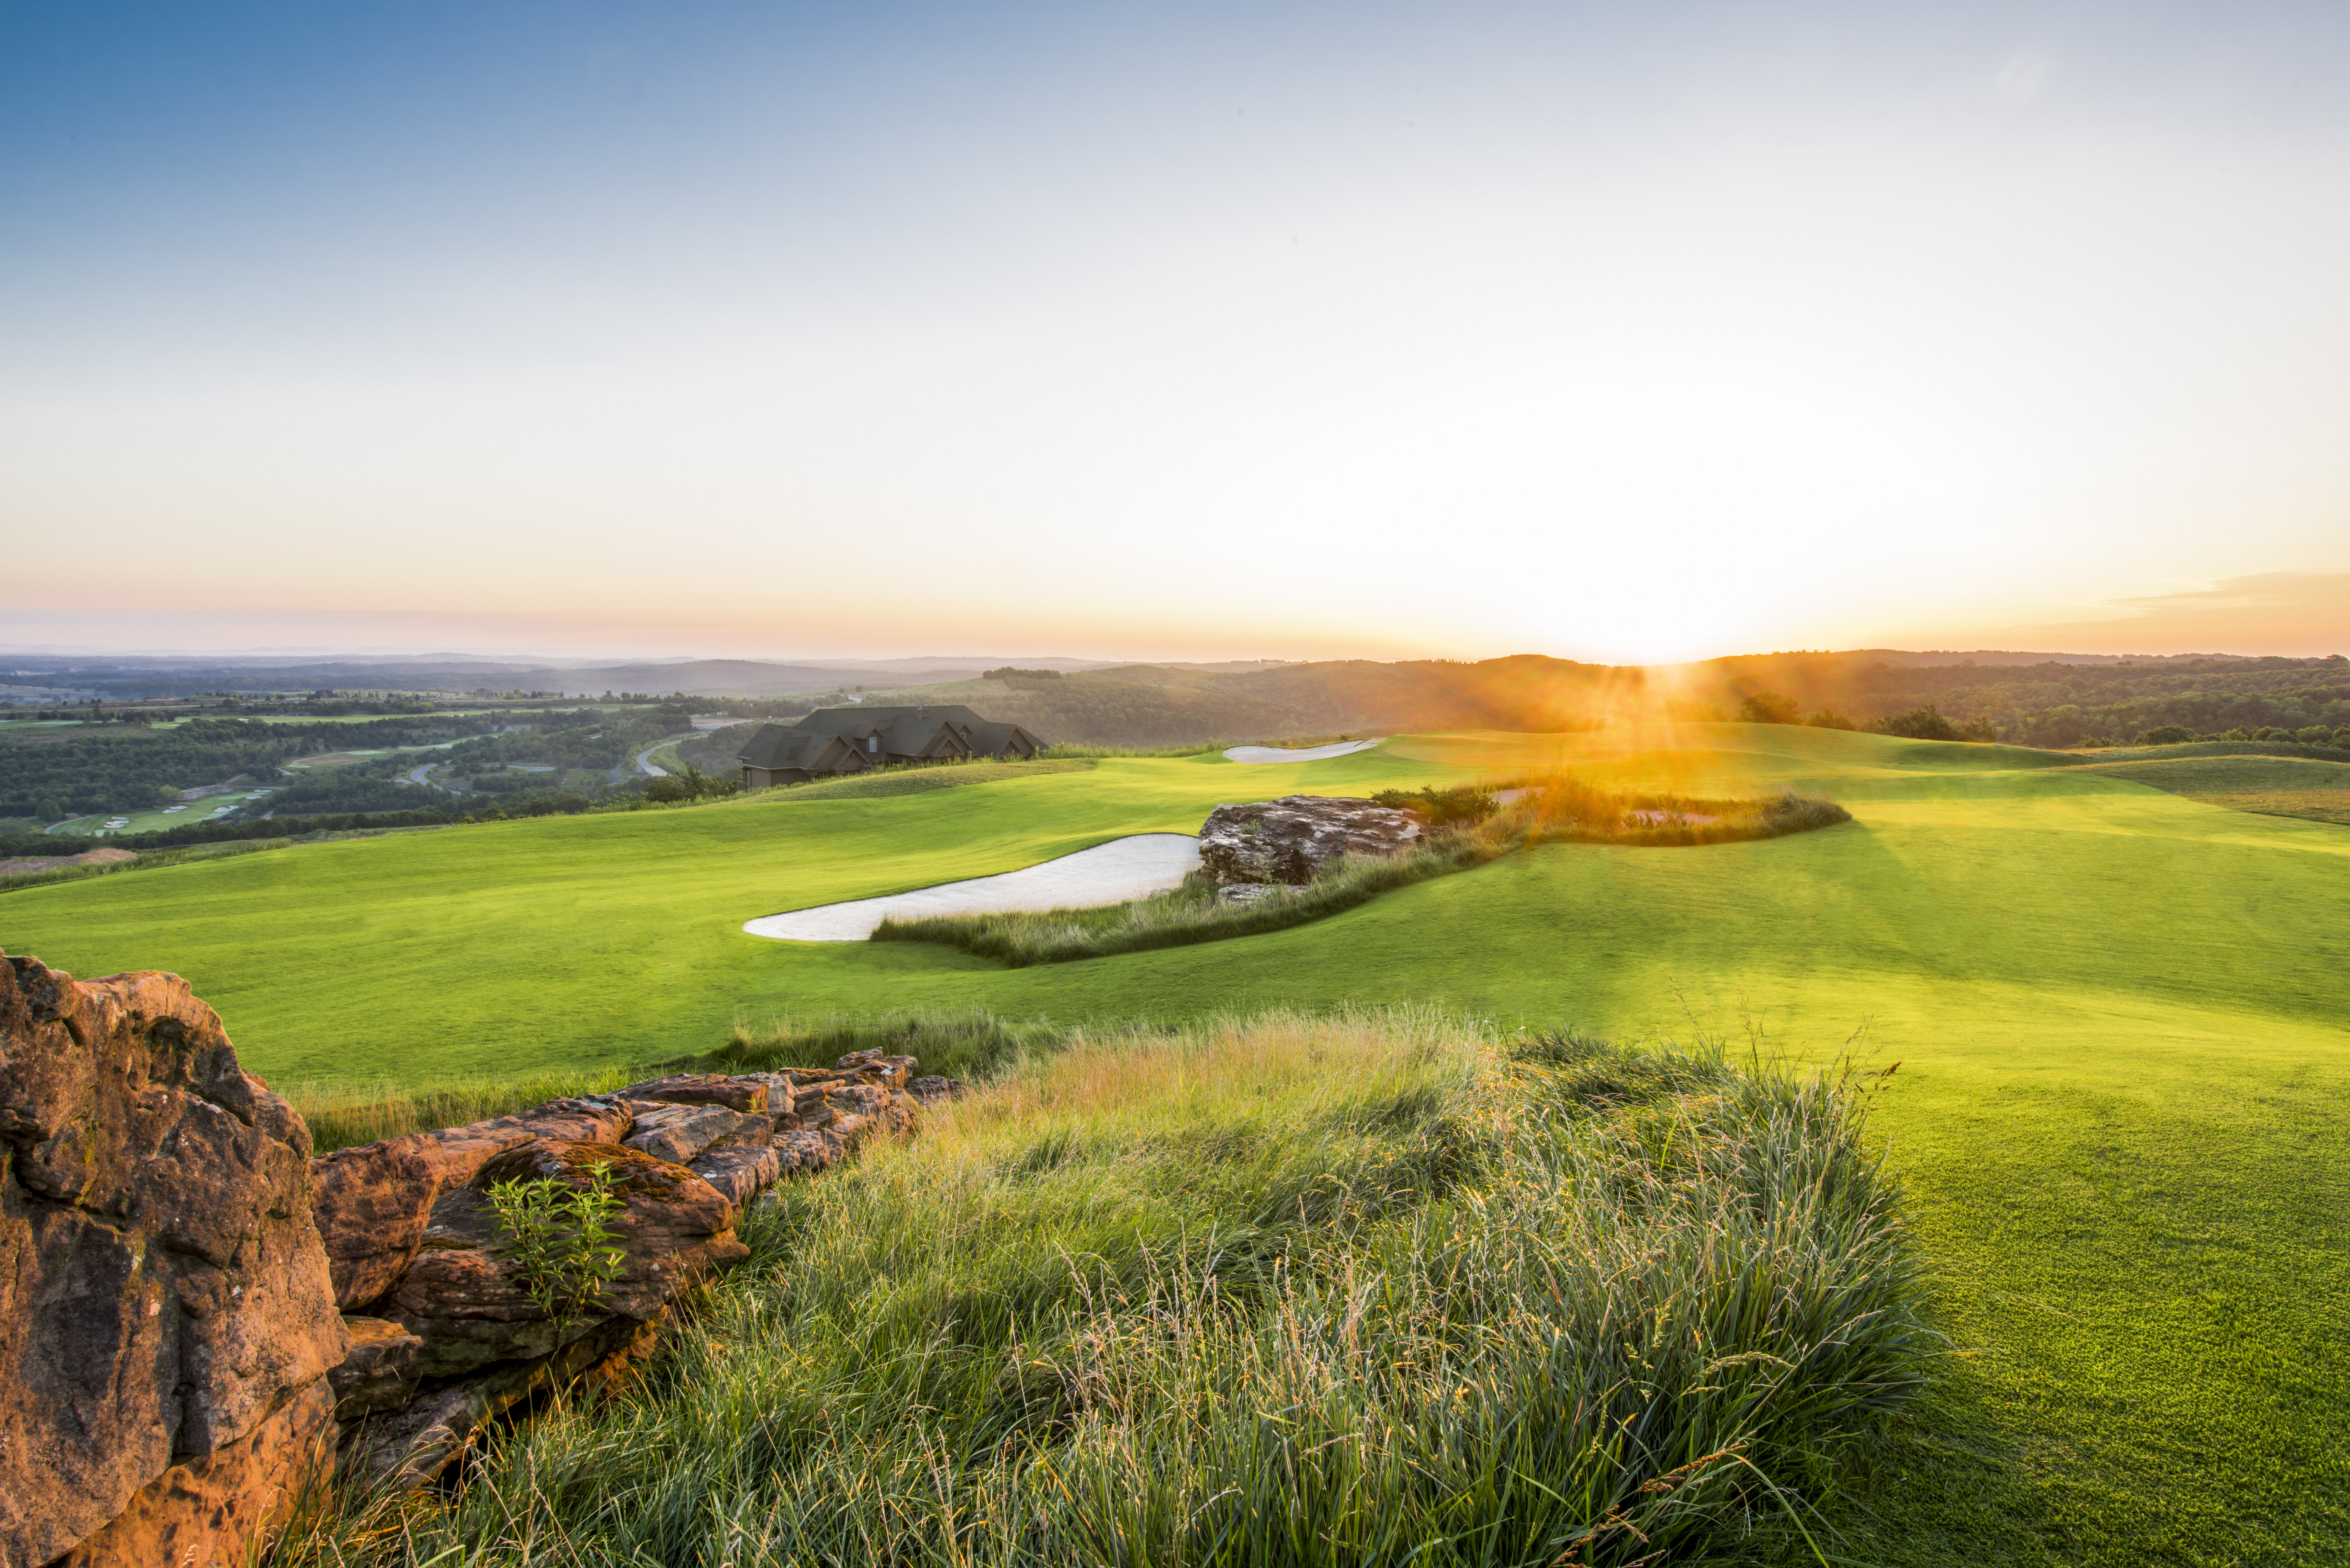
1629,333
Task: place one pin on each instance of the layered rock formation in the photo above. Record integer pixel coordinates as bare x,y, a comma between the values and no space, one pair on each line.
445,1339
196,1317
166,1318
1286,841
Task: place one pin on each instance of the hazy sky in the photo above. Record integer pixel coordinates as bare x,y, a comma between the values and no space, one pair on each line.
1609,331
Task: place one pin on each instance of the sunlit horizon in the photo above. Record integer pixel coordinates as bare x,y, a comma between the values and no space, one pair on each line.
1305,332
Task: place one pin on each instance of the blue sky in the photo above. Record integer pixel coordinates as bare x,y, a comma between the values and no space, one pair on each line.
1617,332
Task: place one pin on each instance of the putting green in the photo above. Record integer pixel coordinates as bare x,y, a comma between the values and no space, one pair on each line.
2120,1015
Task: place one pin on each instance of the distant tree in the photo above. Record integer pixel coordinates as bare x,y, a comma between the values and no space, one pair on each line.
50,811
2166,735
1769,708
1829,719
2341,735
1925,723
2313,735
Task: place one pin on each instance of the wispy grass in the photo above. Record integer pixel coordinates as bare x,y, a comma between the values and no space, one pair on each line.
1371,1289
1558,811
340,1113
971,1045
1565,811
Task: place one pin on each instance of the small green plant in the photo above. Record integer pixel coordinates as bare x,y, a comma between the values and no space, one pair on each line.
556,1240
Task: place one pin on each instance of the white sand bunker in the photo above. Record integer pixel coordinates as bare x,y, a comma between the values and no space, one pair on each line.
1300,754
1106,874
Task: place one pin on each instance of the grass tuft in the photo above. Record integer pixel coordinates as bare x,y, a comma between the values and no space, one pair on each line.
1372,1288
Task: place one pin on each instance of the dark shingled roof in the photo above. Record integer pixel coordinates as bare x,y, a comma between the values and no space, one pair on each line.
903,731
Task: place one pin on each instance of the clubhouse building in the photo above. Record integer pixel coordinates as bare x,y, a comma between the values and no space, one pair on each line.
834,742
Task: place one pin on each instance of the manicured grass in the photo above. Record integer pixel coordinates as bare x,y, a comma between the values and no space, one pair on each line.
2120,1015
2305,787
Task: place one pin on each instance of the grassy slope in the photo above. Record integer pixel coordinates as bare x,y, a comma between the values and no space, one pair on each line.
2120,1011
2305,787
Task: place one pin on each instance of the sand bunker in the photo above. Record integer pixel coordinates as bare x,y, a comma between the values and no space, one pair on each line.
1106,874
1301,755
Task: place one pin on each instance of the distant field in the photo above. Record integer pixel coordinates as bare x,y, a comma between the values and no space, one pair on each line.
158,818
2120,1015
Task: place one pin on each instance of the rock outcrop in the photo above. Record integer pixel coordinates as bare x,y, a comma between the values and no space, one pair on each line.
455,1341
1286,841
199,1322
166,1316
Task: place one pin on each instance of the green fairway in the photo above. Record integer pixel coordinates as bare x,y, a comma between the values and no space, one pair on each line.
155,819
2122,1015
2307,787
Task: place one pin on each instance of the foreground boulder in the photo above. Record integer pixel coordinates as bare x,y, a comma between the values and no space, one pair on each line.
1287,841
200,1324
166,1316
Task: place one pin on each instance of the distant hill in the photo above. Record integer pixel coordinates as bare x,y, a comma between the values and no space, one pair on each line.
2046,699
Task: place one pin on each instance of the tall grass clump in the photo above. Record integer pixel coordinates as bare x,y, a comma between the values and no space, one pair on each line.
969,1045
1373,1289
1565,810
342,1113
972,1044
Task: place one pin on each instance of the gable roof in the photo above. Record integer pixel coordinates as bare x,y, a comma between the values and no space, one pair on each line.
782,746
903,731
863,721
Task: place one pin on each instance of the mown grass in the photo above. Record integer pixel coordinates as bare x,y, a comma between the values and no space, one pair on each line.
882,783
1379,1288
2272,785
1559,811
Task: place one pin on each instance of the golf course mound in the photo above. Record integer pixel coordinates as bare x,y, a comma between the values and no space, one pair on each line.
2307,787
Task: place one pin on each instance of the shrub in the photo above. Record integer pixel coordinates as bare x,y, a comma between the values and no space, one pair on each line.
1829,719
557,1245
2314,735
1925,723
1769,708
2166,735
1465,806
